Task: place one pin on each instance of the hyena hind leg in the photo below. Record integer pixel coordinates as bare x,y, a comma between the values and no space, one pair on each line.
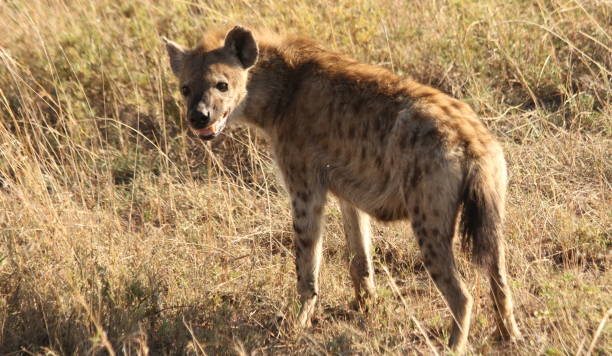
436,249
358,235
502,299
307,207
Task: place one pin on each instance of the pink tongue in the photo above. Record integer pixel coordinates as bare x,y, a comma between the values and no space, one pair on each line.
207,131
210,130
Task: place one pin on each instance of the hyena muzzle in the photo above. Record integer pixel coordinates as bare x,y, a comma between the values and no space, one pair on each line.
385,146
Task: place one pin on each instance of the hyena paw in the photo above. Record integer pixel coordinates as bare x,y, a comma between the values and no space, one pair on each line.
364,300
359,305
363,304
503,334
307,311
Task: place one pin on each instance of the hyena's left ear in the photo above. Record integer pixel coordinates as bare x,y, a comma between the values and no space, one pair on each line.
241,43
177,55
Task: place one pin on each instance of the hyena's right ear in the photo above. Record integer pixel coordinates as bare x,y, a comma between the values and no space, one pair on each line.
177,55
242,44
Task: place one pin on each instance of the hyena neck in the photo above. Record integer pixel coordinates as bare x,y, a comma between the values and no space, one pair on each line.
267,88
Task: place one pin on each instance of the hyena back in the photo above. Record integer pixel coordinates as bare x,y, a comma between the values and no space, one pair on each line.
386,146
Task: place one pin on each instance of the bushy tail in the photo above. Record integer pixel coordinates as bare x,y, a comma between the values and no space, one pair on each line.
483,210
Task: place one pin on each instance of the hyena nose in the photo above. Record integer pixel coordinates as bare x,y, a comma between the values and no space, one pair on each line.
198,119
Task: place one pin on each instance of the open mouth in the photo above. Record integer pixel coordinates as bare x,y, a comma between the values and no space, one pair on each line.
210,132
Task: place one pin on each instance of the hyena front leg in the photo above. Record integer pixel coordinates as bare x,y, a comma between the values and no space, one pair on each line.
307,208
358,235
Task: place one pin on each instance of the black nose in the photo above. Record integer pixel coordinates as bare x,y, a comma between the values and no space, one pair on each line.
198,119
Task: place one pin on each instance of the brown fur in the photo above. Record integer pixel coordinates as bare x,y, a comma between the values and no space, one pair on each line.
386,146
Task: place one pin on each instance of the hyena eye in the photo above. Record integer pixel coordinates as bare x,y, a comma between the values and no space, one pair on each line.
185,90
222,86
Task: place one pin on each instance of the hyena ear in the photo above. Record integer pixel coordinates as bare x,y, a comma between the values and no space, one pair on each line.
177,55
241,43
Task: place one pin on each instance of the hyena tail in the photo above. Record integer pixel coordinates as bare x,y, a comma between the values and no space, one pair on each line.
482,213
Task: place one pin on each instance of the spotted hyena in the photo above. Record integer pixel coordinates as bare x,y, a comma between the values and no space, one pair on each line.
385,146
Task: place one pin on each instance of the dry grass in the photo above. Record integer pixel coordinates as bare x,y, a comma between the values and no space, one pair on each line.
121,234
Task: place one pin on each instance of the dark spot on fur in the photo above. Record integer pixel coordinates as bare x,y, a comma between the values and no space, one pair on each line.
382,135
436,213
291,167
298,230
413,139
298,253
447,110
377,124
386,179
303,196
435,232
457,105
289,176
303,244
416,177
356,106
416,210
432,253
366,127
339,123
435,276
407,196
378,162
299,213
358,185
363,153
424,217
324,146
426,92
405,138
431,134
351,132
338,151
420,242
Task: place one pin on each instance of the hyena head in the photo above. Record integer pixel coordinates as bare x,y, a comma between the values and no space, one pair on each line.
213,81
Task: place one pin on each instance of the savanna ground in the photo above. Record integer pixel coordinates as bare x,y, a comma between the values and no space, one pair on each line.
122,233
